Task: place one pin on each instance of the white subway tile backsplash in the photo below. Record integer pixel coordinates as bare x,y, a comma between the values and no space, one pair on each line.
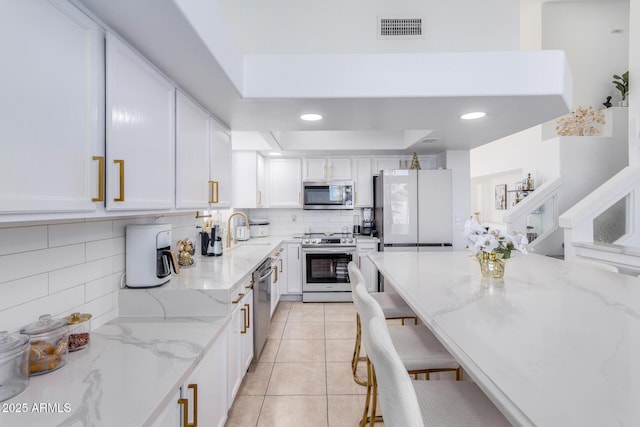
14,318
80,232
104,285
25,264
105,248
22,239
58,267
71,276
23,290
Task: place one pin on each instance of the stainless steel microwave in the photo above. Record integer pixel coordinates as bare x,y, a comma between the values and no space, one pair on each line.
327,194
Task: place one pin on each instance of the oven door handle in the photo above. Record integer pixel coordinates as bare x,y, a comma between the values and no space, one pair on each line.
324,250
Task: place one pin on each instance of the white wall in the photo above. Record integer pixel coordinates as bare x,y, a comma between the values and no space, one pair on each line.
595,54
337,26
65,266
582,29
634,89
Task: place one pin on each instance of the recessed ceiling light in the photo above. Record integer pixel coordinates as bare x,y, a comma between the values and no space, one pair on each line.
311,117
473,116
275,153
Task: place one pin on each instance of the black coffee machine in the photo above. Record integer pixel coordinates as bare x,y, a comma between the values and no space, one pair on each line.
367,222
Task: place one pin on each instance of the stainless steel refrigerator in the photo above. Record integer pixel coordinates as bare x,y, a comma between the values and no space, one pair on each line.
413,210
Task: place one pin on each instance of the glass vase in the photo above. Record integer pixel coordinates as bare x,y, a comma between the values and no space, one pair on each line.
491,265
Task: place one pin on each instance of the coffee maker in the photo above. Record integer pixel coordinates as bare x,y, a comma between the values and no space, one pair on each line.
367,221
148,255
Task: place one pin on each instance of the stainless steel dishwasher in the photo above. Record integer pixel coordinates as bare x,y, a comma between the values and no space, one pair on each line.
261,306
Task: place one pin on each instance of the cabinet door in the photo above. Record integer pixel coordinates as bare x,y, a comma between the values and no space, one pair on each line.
247,336
367,267
339,168
208,381
235,328
51,108
192,154
260,182
387,163
285,185
294,268
363,181
315,169
171,415
245,194
140,163
220,167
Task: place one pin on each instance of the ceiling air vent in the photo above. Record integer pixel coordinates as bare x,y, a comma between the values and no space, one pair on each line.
400,28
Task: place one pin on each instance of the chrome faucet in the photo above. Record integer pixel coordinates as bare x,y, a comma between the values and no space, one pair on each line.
246,219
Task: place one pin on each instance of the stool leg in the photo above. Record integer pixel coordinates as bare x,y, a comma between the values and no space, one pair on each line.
365,413
356,353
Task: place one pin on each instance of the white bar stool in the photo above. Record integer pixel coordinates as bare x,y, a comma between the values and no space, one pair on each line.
419,350
392,306
410,403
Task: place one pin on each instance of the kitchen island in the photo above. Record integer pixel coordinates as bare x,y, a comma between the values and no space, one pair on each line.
552,344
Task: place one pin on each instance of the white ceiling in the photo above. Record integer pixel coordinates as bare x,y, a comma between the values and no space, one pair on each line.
381,115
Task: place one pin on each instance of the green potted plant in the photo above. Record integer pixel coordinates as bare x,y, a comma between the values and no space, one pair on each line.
622,84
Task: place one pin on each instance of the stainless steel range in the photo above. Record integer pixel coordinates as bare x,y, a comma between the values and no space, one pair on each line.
325,277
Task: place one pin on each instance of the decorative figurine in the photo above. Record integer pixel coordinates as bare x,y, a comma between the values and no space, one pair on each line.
415,163
607,103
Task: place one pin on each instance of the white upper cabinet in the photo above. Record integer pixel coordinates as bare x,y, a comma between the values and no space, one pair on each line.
363,181
332,168
193,147
248,180
51,126
285,183
220,174
140,154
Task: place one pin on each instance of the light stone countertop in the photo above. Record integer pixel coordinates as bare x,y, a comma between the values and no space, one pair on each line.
554,343
134,366
130,371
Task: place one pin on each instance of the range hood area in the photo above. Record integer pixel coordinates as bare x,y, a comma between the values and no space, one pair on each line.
406,96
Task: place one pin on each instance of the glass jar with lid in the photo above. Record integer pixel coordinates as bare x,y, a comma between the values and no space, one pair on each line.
79,329
49,344
14,364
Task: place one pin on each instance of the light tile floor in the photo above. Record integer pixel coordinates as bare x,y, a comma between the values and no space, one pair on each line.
303,377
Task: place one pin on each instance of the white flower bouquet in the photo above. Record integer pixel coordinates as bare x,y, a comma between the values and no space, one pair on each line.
480,240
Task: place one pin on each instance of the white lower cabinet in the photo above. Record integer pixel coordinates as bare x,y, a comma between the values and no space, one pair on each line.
369,271
279,276
202,399
294,268
240,342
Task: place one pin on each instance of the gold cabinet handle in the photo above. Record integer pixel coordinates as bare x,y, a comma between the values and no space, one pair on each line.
259,198
275,269
244,320
238,300
185,407
121,178
100,197
212,192
299,202
215,185
248,315
331,171
280,265
324,171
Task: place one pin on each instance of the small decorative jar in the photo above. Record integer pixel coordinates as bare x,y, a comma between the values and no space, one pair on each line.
491,265
14,364
79,329
49,344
